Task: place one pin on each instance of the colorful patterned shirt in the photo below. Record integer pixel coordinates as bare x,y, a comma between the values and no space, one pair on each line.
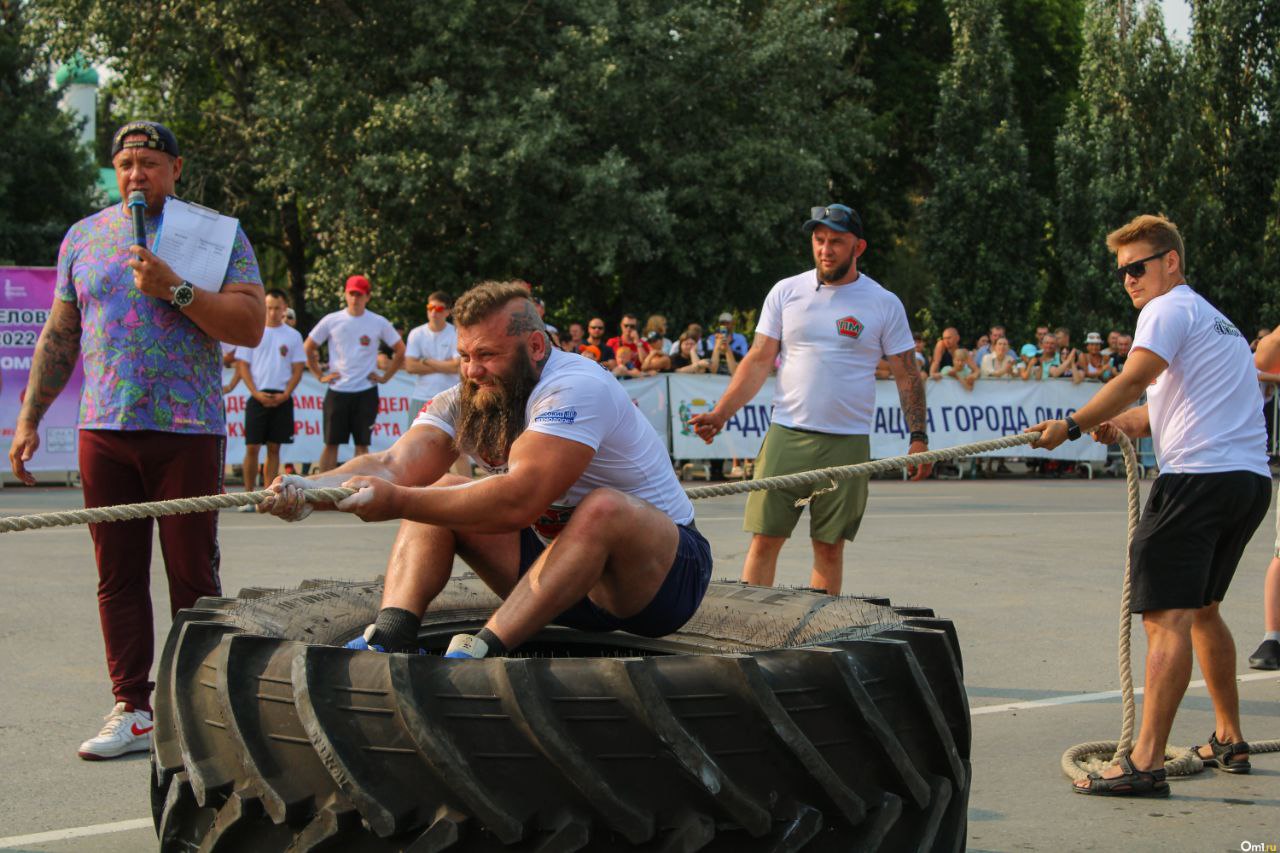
146,364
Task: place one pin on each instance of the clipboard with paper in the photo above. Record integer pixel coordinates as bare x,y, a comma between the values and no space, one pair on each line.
196,242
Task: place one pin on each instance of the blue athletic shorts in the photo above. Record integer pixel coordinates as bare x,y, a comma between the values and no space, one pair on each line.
675,601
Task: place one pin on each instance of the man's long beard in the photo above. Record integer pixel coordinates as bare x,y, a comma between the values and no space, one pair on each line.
490,419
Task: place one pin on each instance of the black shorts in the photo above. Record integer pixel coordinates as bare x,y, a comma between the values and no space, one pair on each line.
672,606
268,425
350,414
1191,536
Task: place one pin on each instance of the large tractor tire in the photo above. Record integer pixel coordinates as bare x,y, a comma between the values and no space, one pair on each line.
776,720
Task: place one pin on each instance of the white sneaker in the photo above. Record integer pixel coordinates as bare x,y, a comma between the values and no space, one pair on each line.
125,731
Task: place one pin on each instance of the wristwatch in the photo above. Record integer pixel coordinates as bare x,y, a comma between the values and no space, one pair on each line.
183,295
1073,428
922,437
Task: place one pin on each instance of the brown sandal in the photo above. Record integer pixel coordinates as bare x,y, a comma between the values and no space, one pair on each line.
1223,753
1132,782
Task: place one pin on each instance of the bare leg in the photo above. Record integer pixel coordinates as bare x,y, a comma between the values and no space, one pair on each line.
251,467
762,559
272,468
422,560
828,566
361,449
1168,674
1271,596
616,549
328,458
1216,650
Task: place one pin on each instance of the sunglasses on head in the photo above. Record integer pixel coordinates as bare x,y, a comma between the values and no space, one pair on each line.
1138,268
833,214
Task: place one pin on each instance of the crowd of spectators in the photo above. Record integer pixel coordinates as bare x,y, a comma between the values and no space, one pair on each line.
1049,355
635,351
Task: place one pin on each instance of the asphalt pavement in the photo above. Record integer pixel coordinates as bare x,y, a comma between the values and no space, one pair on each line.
1029,570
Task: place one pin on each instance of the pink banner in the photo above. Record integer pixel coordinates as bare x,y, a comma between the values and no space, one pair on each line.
25,298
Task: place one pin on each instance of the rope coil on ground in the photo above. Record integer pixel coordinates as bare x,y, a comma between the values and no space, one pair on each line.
1077,762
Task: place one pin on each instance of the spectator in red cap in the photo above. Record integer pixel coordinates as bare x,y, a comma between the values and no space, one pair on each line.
351,403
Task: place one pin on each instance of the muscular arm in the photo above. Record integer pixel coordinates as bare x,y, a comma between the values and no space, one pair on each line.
294,378
53,361
397,360
752,371
906,375
236,315
1267,358
1135,422
541,468
312,350
1140,370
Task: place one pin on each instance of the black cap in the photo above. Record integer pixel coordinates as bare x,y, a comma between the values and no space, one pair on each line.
158,138
837,217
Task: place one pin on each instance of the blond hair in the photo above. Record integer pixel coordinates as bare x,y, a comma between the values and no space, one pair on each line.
486,299
1162,234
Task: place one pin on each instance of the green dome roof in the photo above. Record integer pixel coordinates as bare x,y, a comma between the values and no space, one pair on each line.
77,70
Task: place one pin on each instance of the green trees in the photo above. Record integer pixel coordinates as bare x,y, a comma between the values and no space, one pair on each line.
658,155
1115,157
983,220
45,178
1229,158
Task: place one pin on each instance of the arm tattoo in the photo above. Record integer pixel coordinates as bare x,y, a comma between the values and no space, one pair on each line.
910,389
525,319
53,361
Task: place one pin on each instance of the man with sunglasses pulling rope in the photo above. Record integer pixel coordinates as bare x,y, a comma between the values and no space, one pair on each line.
832,322
1204,413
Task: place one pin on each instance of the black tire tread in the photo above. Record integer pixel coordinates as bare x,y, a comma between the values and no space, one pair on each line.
852,736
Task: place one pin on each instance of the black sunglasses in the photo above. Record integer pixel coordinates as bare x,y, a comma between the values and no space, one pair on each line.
1138,269
832,214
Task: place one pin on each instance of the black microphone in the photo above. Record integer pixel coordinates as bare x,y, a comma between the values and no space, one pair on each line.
138,206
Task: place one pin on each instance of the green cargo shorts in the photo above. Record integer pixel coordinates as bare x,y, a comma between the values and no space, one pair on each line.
833,515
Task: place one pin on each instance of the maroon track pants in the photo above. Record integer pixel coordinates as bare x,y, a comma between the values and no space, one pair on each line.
119,467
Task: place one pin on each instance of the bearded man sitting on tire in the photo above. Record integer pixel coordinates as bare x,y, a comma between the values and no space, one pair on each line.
582,522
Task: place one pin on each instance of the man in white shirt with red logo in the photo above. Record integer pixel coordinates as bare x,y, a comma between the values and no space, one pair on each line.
581,521
1204,415
351,403
270,371
831,325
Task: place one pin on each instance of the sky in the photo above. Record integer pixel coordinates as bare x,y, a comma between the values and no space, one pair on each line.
1177,18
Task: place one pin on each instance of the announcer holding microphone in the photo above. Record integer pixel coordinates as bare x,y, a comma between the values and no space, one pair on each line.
151,421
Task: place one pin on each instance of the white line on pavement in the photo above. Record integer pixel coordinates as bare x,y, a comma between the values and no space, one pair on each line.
75,832
1094,697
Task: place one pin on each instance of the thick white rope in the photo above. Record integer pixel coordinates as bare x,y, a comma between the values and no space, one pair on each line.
1077,762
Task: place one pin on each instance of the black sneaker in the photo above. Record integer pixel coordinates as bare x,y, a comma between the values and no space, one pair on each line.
1267,656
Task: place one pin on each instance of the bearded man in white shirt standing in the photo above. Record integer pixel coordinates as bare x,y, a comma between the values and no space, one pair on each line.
1204,414
831,321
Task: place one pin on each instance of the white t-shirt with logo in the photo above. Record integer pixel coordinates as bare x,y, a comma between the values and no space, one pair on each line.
271,361
575,399
1205,409
353,346
425,342
832,338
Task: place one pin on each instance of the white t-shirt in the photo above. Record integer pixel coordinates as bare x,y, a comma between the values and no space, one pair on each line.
832,339
353,350
424,342
575,399
271,361
1205,409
